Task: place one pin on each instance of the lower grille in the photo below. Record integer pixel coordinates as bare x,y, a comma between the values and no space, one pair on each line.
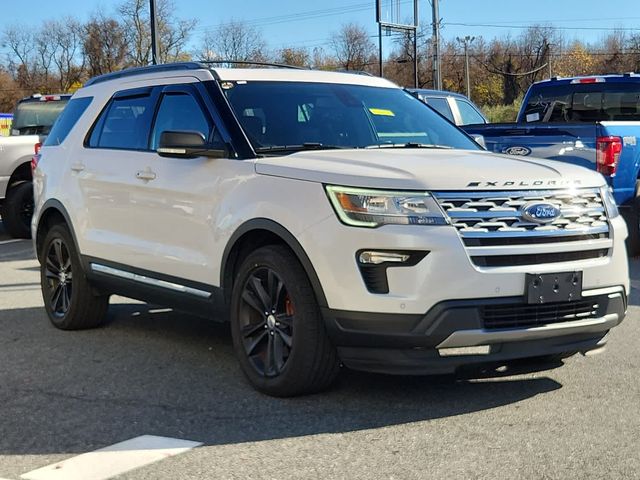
535,259
524,316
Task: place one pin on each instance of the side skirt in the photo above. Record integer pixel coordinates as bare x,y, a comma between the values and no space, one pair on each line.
157,288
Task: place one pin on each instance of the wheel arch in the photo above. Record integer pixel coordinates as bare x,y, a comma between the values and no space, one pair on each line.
21,173
259,232
52,213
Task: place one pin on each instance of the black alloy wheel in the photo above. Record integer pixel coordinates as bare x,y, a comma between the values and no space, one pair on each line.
59,275
266,321
70,301
278,332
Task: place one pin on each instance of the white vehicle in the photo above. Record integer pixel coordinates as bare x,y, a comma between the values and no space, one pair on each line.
331,218
33,118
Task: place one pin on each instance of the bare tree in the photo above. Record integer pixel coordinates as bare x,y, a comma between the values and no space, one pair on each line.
353,48
173,33
20,41
104,45
233,41
67,36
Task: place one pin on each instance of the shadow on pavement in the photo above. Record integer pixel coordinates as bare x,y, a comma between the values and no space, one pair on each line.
152,371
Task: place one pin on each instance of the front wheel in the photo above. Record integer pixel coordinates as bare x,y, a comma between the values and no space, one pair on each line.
69,299
278,333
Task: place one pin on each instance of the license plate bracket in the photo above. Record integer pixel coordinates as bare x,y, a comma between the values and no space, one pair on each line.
553,287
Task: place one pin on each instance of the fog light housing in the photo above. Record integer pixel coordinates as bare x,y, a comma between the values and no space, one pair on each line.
371,257
373,265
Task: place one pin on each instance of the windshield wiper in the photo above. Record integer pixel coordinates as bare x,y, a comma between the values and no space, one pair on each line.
298,148
408,145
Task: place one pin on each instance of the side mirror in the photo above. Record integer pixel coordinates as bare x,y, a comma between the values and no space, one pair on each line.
187,145
479,140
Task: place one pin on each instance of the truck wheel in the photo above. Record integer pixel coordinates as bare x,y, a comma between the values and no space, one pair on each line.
632,217
17,210
69,300
278,333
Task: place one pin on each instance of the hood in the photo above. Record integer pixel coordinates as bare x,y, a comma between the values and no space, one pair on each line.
427,169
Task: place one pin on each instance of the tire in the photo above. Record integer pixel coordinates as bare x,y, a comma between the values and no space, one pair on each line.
17,210
632,217
69,299
278,333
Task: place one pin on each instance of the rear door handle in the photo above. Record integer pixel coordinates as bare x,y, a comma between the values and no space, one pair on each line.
145,175
77,167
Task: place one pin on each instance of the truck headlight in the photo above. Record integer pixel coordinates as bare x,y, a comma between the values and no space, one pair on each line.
609,202
372,208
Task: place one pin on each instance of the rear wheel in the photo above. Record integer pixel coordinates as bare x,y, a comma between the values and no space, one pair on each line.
278,333
69,300
17,210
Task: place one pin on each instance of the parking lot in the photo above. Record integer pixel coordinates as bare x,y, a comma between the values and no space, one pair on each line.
156,372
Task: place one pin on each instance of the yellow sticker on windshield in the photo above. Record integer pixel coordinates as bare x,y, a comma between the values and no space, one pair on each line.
382,111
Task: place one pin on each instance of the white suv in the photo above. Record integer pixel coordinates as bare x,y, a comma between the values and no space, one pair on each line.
331,218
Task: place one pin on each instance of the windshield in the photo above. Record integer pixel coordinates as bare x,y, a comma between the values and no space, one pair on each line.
36,118
275,115
589,102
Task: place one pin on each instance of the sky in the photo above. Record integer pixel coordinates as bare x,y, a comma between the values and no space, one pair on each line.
304,23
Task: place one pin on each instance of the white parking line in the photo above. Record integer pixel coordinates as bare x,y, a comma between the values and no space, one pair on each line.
114,460
13,240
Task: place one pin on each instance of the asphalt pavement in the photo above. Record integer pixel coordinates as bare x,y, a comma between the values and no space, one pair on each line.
152,371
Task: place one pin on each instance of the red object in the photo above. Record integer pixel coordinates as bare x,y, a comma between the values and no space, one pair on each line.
608,150
36,158
588,80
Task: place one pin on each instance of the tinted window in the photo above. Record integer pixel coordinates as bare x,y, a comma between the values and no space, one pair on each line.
441,105
124,124
583,102
468,113
67,119
179,112
353,116
36,117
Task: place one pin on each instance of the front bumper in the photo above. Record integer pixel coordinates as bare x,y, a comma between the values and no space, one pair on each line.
427,344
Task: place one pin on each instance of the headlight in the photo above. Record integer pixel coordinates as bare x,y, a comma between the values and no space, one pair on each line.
373,208
609,202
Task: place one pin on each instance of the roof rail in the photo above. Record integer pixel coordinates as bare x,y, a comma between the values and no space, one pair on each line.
129,72
249,62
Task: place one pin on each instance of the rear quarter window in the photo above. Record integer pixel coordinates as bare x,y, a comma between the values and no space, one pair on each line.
66,121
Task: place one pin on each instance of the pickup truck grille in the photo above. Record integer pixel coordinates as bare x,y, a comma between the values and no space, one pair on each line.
495,233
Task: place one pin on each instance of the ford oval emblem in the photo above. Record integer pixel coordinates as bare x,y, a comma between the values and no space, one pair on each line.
540,212
522,151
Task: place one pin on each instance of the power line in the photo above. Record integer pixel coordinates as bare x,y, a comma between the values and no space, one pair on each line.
556,27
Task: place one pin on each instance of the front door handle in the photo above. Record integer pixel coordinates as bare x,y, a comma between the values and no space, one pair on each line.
145,175
77,167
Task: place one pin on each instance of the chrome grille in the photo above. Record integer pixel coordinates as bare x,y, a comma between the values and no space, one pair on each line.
489,220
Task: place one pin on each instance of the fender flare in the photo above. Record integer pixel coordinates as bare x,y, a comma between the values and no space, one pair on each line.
288,238
53,204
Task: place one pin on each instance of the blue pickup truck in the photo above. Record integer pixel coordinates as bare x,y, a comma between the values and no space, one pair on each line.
588,121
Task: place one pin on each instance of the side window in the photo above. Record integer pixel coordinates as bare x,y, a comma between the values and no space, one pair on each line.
469,114
67,119
179,112
441,105
124,124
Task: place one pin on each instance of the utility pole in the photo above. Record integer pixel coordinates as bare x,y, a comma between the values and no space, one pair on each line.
154,32
437,80
549,58
466,41
415,45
